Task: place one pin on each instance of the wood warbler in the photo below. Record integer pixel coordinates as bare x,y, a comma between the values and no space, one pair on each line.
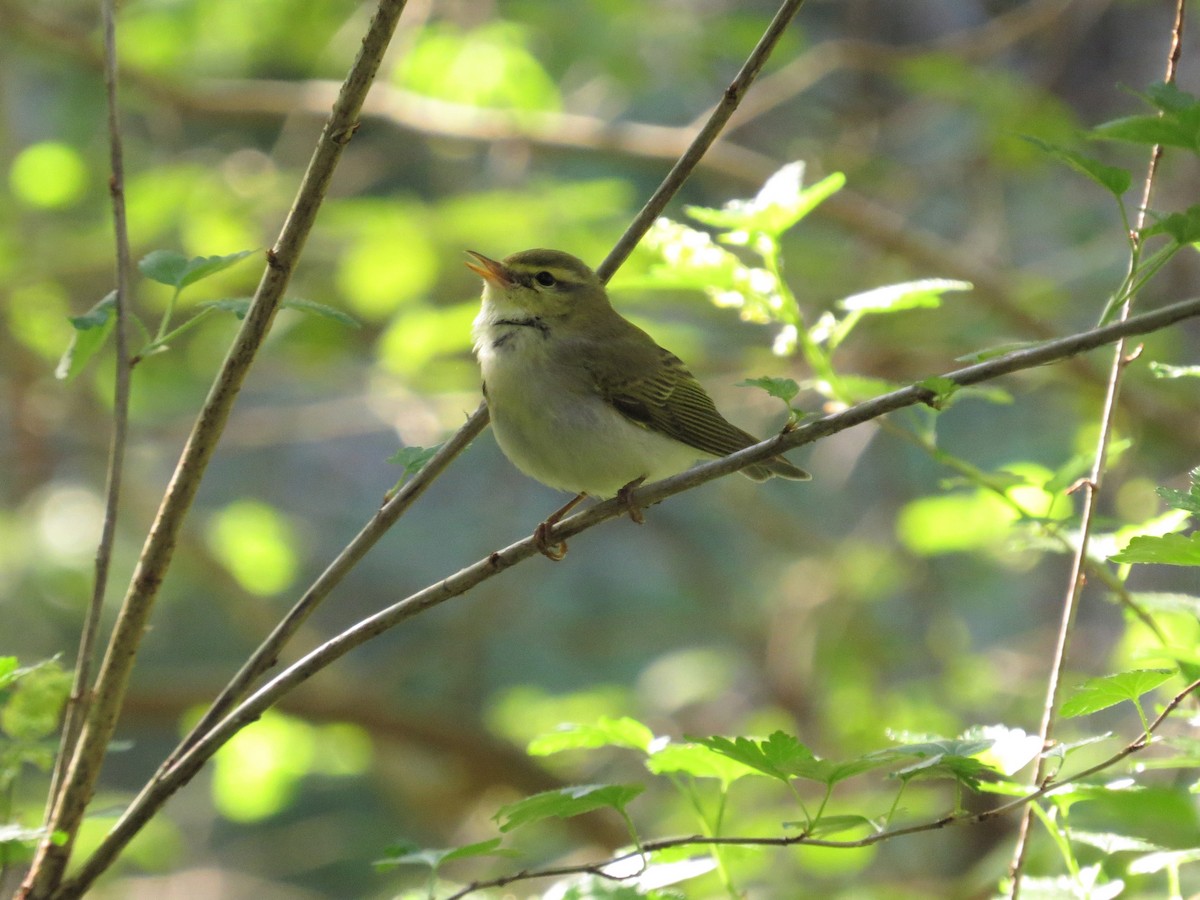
583,400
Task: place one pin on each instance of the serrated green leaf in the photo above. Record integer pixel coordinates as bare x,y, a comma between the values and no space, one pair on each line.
1185,500
413,459
698,761
1169,98
784,389
565,803
1109,690
91,333
1165,130
783,757
320,309
1113,179
1166,550
924,293
606,732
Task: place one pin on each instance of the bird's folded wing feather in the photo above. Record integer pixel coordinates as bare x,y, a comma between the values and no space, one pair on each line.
672,402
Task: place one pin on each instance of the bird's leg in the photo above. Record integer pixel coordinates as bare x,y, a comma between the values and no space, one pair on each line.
541,534
625,495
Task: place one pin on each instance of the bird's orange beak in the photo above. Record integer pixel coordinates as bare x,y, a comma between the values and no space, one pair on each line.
490,270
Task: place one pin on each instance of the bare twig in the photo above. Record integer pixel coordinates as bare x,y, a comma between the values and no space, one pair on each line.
266,655
1091,488
692,156
155,794
598,868
79,784
77,704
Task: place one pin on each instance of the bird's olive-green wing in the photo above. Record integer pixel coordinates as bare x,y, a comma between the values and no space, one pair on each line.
667,398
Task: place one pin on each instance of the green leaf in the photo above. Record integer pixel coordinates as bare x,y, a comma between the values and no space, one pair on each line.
827,825
1183,227
172,268
239,306
987,353
780,204
1101,693
433,857
1167,550
925,293
91,332
565,803
942,389
320,309
1189,501
1169,132
698,761
32,710
413,458
784,389
607,732
1113,179
1163,370
1166,859
783,757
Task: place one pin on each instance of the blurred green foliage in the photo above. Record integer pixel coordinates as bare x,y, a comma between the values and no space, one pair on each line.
907,597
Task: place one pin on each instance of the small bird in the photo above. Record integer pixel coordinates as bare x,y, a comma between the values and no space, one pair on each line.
583,400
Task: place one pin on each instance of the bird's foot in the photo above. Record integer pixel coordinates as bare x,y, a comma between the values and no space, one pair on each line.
541,539
555,550
625,495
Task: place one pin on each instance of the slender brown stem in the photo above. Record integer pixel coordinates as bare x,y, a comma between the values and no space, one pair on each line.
77,704
133,617
712,128
1091,489
156,793
267,653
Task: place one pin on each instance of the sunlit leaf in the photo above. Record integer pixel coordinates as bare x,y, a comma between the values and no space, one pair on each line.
925,293
1165,859
606,732
1166,549
1189,500
780,204
1163,370
1109,690
698,761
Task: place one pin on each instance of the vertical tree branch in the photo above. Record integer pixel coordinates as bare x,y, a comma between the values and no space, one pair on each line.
79,783
78,702
712,128
1091,490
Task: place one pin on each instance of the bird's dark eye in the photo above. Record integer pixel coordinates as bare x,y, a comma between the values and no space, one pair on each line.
545,279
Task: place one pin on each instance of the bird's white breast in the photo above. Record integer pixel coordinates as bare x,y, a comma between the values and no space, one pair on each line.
553,426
